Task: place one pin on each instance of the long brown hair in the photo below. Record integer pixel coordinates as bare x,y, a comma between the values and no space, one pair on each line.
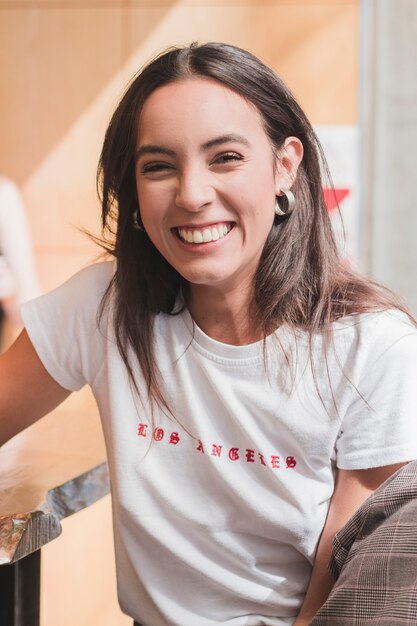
300,281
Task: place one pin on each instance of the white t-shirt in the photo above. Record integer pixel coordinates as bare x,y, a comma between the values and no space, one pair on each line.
217,513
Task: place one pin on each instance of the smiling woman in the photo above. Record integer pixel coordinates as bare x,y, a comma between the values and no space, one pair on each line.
253,390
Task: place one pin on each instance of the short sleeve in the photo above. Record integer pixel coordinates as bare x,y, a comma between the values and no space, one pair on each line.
380,425
64,328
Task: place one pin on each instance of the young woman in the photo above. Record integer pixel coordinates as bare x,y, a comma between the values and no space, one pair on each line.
253,390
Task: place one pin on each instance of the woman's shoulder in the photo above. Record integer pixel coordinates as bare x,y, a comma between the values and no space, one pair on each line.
379,321
79,296
377,331
91,279
100,270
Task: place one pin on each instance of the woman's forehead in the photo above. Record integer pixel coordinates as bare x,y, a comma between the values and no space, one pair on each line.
199,104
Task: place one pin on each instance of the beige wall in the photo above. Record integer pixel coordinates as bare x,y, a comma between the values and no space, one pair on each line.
64,64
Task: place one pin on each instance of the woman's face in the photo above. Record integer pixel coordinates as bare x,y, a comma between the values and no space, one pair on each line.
206,180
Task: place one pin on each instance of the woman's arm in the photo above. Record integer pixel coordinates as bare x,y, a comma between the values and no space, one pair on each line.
27,391
351,490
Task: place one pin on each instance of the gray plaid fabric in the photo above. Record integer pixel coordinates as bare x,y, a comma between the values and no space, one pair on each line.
374,560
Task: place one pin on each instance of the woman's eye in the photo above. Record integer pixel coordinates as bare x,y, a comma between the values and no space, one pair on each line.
227,157
156,168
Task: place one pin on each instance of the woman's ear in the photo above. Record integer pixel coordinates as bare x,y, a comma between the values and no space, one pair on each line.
287,161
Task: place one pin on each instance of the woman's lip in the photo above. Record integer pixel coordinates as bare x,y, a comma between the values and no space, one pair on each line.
202,226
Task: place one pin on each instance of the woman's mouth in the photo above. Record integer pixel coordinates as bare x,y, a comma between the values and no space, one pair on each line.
204,234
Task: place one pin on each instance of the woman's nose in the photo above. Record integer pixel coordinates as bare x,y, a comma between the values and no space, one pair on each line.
194,190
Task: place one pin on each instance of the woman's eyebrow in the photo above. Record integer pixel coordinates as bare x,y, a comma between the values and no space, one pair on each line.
230,138
217,141
151,149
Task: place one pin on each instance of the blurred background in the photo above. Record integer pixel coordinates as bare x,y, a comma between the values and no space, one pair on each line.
64,65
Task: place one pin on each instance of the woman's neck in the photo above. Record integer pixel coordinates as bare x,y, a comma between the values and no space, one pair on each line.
224,316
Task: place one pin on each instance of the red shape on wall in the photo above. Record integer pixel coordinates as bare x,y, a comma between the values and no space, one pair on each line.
334,197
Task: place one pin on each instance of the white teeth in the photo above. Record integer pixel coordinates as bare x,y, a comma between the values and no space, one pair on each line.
212,233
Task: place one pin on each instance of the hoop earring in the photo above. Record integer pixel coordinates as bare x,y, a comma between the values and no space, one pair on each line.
136,221
290,202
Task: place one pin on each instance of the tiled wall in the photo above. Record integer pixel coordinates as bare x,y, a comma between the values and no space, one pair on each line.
63,66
